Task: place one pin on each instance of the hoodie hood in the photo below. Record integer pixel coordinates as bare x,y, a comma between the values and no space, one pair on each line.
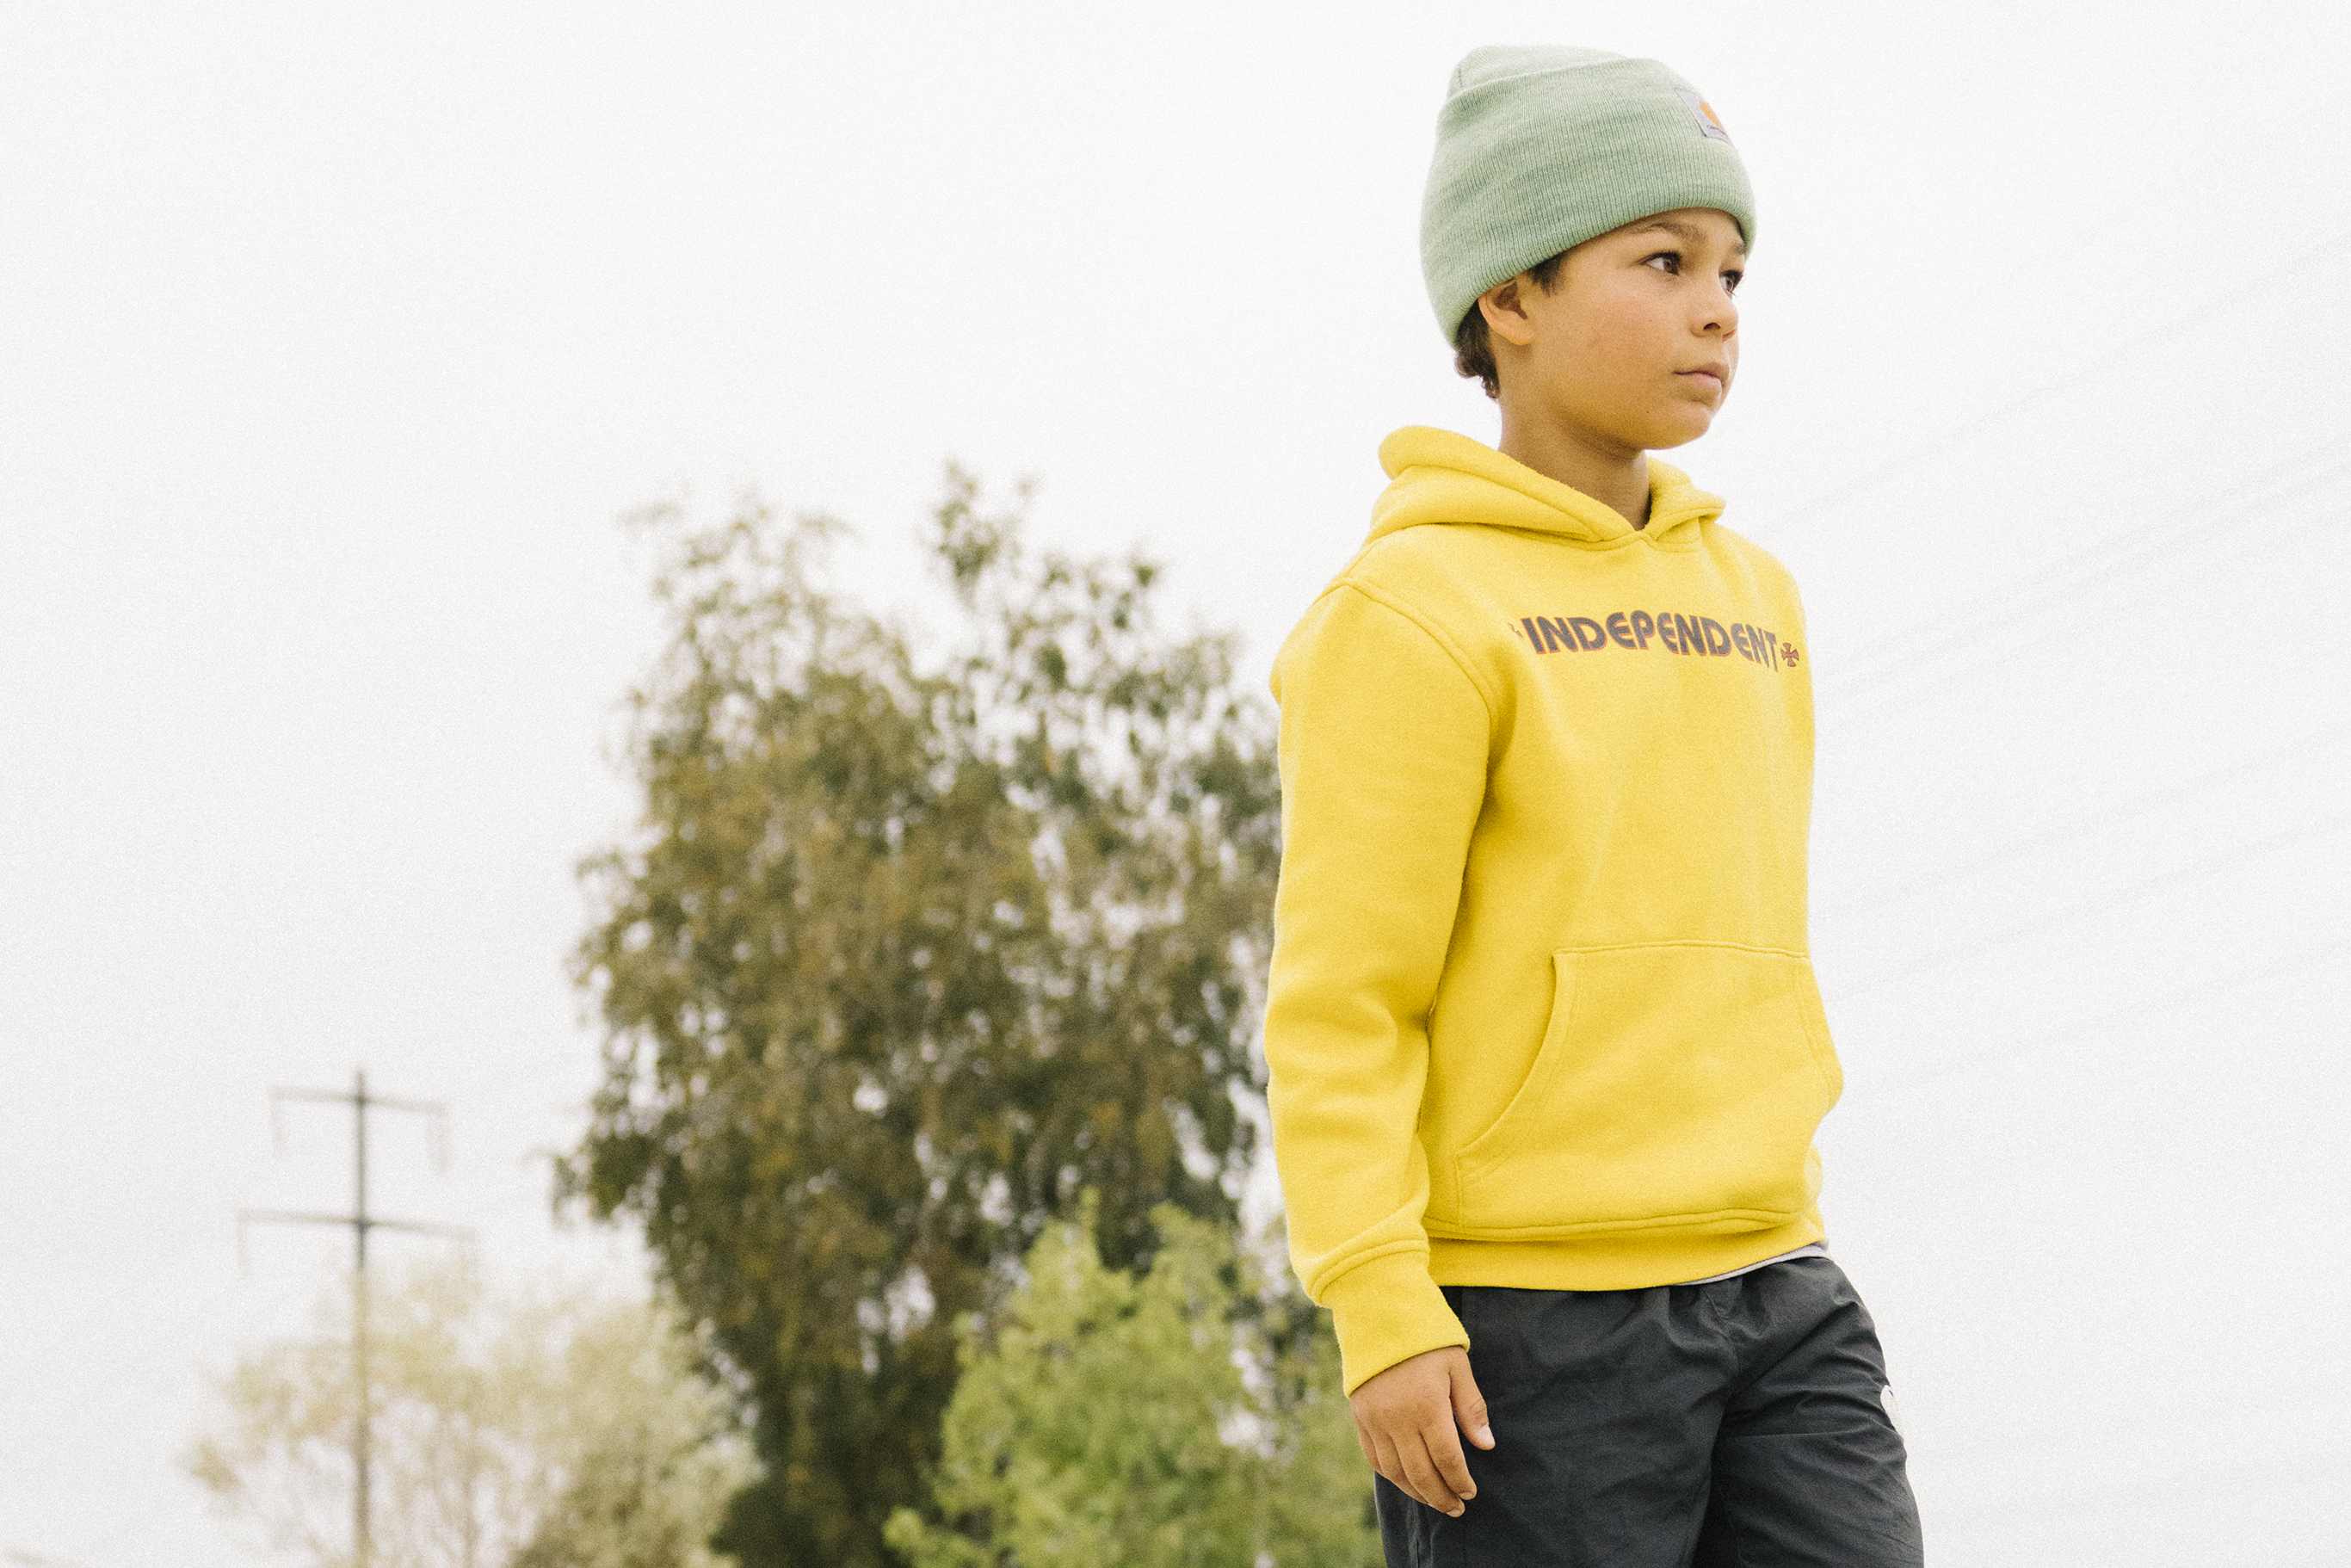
1439,477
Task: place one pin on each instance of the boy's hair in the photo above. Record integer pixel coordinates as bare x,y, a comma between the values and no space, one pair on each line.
1473,346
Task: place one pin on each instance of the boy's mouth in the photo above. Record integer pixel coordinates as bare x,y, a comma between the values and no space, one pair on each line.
1715,375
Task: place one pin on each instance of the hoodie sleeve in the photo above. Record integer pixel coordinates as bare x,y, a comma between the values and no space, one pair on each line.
1383,749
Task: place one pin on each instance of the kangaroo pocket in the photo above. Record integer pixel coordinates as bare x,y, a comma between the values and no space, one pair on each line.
1677,1088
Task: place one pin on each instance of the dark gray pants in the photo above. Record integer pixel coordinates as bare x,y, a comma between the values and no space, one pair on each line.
1737,1425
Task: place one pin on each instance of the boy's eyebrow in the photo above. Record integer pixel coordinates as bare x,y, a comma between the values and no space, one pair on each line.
1684,232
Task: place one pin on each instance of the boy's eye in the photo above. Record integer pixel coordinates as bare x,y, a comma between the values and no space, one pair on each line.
1664,261
1731,280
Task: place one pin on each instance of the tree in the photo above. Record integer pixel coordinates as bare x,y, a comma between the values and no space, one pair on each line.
904,955
569,1432
1190,1419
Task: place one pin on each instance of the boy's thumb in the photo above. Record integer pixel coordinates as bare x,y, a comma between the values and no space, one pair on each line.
1469,1406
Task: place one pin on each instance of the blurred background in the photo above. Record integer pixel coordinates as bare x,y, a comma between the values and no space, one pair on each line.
333,342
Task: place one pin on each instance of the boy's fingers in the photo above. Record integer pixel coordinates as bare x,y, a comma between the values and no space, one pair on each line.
1390,1463
1404,1424
1469,1406
1453,1470
1427,1483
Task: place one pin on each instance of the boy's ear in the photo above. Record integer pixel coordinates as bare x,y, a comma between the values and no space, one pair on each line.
1505,308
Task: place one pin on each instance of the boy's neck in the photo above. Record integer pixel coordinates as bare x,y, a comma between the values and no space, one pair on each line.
1615,476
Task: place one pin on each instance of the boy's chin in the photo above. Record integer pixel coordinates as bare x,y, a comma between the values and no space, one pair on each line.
1678,428
1650,427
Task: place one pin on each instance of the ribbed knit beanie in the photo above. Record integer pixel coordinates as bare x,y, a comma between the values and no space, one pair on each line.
1543,147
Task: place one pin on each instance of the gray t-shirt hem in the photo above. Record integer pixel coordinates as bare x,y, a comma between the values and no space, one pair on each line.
1817,1250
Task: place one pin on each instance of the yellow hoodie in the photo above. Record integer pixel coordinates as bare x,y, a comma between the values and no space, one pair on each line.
1540,1012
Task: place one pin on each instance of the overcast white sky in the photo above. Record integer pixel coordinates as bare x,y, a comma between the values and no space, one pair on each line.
331,344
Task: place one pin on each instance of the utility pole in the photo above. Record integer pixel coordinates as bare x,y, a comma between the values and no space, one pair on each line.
361,1222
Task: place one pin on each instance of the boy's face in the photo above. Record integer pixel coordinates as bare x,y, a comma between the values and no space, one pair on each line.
1635,346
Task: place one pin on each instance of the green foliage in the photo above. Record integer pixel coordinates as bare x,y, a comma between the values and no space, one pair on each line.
647,1480
569,1432
1180,1420
904,954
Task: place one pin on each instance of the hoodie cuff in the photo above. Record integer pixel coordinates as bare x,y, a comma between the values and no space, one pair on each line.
1389,1309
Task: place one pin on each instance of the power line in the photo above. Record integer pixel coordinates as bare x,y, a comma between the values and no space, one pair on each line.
2194,525
2083,826
1960,434
361,1221
1926,677
2165,1002
2132,894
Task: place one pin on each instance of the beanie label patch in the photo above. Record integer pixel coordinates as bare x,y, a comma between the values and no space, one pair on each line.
1708,124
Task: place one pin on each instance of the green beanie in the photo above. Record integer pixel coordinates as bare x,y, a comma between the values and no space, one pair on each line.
1542,148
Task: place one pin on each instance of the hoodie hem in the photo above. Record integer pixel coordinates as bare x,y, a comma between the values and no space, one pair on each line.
1616,1263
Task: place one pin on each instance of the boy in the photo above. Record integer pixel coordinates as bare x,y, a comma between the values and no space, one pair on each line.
1547,1054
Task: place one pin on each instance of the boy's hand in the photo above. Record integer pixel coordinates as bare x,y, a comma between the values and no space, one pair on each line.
1405,1418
